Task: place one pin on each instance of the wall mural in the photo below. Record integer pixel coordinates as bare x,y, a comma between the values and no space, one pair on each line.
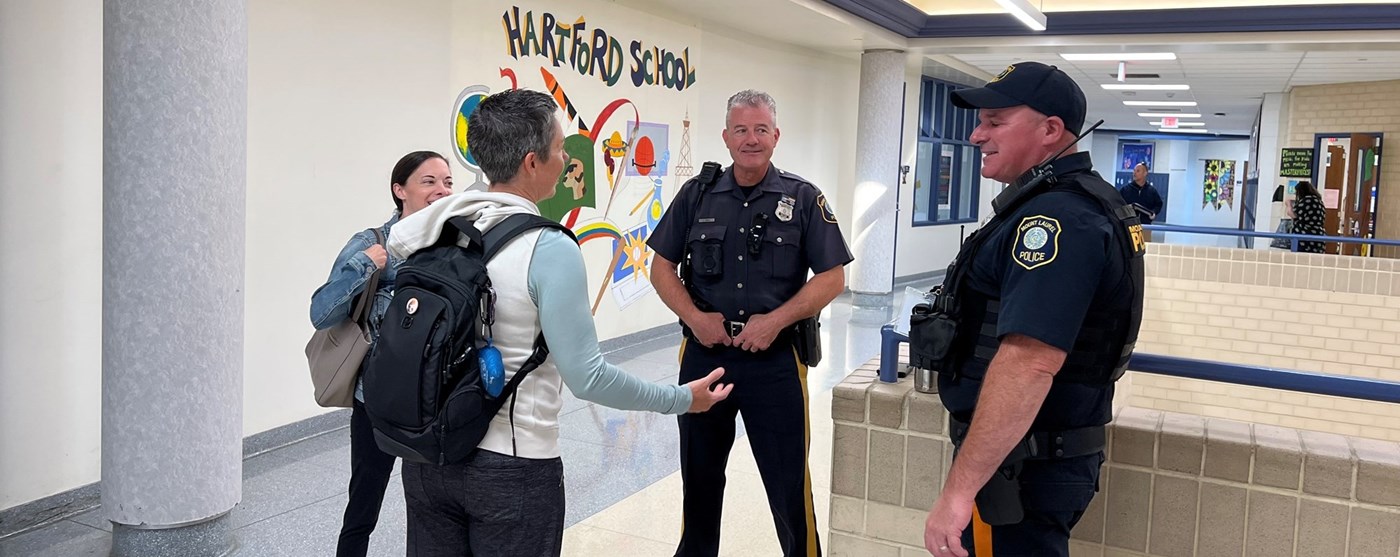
1219,184
620,178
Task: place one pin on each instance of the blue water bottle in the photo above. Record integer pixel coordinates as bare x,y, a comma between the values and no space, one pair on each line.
493,370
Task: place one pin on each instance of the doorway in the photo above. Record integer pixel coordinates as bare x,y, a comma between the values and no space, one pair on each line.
1347,173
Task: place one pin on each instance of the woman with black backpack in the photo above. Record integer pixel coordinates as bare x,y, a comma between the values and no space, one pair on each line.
419,179
503,493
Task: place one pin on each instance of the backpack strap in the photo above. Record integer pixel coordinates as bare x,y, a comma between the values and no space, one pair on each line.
505,231
464,226
493,241
361,312
536,359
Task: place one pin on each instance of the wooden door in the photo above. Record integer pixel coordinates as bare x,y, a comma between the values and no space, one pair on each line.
1334,180
1355,206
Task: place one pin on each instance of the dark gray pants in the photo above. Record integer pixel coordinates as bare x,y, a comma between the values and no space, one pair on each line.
491,505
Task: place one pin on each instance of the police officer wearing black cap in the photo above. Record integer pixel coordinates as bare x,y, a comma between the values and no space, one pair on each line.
745,239
1034,322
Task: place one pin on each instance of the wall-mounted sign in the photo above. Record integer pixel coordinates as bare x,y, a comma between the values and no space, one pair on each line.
1296,163
594,51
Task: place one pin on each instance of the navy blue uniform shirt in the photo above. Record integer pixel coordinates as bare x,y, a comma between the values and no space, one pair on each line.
750,252
1145,198
1051,260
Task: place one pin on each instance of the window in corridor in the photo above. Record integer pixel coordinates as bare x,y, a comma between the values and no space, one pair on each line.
948,169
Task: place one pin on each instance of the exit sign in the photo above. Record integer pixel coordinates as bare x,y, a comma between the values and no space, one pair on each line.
1169,122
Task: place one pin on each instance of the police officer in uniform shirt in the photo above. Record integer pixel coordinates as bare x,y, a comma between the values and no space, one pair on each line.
749,235
1034,322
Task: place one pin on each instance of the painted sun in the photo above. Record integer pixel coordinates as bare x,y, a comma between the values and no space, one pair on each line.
637,254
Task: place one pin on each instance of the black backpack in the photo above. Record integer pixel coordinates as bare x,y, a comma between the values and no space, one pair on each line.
422,382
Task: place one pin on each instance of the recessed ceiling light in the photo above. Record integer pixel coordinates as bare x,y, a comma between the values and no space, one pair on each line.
1182,124
1159,103
1119,56
1168,115
1177,130
1145,87
1027,13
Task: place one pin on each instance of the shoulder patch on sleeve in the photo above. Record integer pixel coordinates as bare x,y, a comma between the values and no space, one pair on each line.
1037,242
827,214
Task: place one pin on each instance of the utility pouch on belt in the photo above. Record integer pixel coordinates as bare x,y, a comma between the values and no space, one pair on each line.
999,502
808,341
931,332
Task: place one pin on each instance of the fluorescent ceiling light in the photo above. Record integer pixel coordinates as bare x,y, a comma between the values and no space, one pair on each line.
1024,11
1181,124
1171,130
1145,87
1159,103
1167,115
1119,56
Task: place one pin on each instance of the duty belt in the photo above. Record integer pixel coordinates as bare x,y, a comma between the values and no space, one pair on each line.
1043,445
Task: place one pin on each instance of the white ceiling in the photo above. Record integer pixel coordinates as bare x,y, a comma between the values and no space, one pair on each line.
1232,83
1227,73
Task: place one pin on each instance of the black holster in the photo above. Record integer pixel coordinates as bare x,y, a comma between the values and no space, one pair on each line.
807,340
999,501
931,334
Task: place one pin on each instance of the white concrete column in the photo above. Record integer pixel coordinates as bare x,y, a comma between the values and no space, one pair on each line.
1272,135
877,174
175,104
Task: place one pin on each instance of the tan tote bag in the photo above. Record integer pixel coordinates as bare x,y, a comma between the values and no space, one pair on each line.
335,353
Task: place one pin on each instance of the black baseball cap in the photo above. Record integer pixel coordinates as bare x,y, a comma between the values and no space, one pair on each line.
1044,88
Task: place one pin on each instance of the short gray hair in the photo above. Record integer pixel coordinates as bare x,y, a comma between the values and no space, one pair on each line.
507,126
753,98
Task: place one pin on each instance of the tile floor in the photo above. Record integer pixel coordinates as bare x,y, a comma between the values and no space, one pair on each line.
621,474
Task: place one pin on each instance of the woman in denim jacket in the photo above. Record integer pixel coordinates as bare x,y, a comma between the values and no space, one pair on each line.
419,179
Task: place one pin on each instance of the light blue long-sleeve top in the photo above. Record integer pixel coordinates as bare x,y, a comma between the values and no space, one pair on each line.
558,286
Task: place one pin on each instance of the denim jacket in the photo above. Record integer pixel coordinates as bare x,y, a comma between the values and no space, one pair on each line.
333,301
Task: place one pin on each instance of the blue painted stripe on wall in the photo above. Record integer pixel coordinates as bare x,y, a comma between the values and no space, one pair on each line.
906,20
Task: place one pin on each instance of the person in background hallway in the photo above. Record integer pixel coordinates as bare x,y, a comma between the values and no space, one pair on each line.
418,179
1142,195
753,233
1308,215
507,498
1043,307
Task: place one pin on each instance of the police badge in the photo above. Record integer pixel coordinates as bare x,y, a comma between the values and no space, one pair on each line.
1037,241
785,205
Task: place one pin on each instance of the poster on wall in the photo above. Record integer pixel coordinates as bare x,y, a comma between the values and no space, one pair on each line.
1135,153
1295,163
625,82
1219,186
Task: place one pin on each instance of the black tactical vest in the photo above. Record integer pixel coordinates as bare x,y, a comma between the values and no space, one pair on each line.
1108,335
